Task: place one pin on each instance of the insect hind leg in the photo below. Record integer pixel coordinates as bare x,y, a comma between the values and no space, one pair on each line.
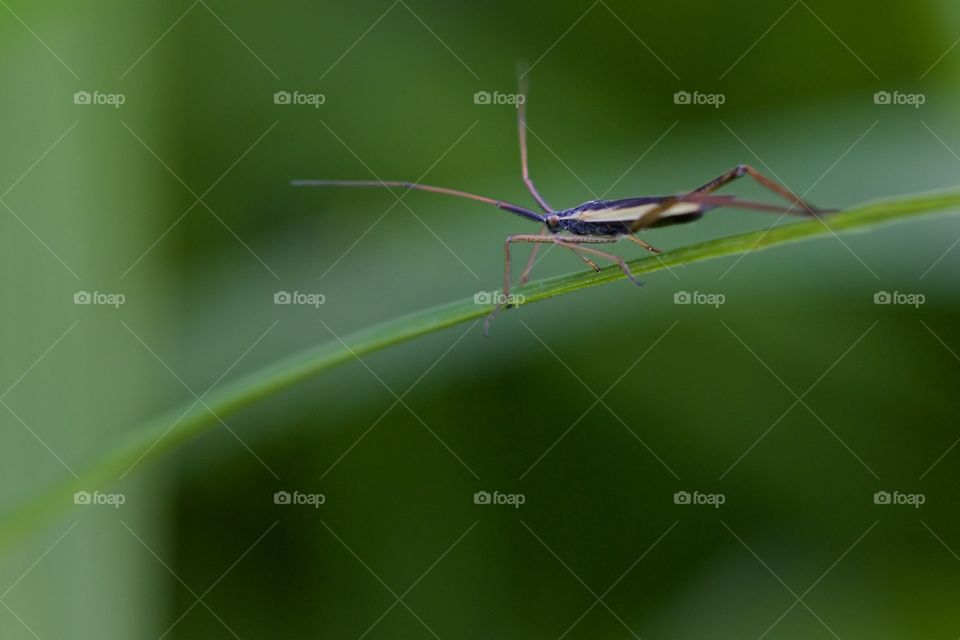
746,170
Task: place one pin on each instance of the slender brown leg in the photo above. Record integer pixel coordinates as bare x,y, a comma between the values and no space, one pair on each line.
590,263
531,261
522,132
506,272
737,203
643,243
746,170
573,243
702,194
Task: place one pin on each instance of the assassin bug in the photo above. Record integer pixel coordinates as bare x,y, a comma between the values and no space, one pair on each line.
597,222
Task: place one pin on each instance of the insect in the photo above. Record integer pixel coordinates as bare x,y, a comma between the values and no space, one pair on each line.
597,222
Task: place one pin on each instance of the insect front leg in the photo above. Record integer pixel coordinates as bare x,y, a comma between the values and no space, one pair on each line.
572,243
523,237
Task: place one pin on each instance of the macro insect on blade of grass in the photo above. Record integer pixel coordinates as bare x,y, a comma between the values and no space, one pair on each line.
598,222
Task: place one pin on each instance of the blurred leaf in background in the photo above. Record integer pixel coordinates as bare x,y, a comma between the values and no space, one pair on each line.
797,400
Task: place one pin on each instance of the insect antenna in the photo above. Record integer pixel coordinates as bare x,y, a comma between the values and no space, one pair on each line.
523,89
506,206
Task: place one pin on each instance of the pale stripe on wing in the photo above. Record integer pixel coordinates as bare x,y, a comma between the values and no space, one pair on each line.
629,214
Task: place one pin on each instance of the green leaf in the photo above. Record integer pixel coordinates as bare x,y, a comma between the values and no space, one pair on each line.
167,432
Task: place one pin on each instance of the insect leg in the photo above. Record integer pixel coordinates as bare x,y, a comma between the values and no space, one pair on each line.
702,195
531,261
746,170
524,237
590,263
574,244
643,243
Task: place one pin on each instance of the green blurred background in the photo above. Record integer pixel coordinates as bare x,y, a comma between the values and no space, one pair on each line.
97,199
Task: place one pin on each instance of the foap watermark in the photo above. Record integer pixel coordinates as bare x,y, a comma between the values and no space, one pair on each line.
697,98
300,499
512,499
100,298
96,498
98,98
895,497
497,297
696,498
915,100
899,297
298,297
698,297
497,98
298,98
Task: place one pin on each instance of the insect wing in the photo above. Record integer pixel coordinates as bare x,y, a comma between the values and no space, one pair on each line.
630,212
